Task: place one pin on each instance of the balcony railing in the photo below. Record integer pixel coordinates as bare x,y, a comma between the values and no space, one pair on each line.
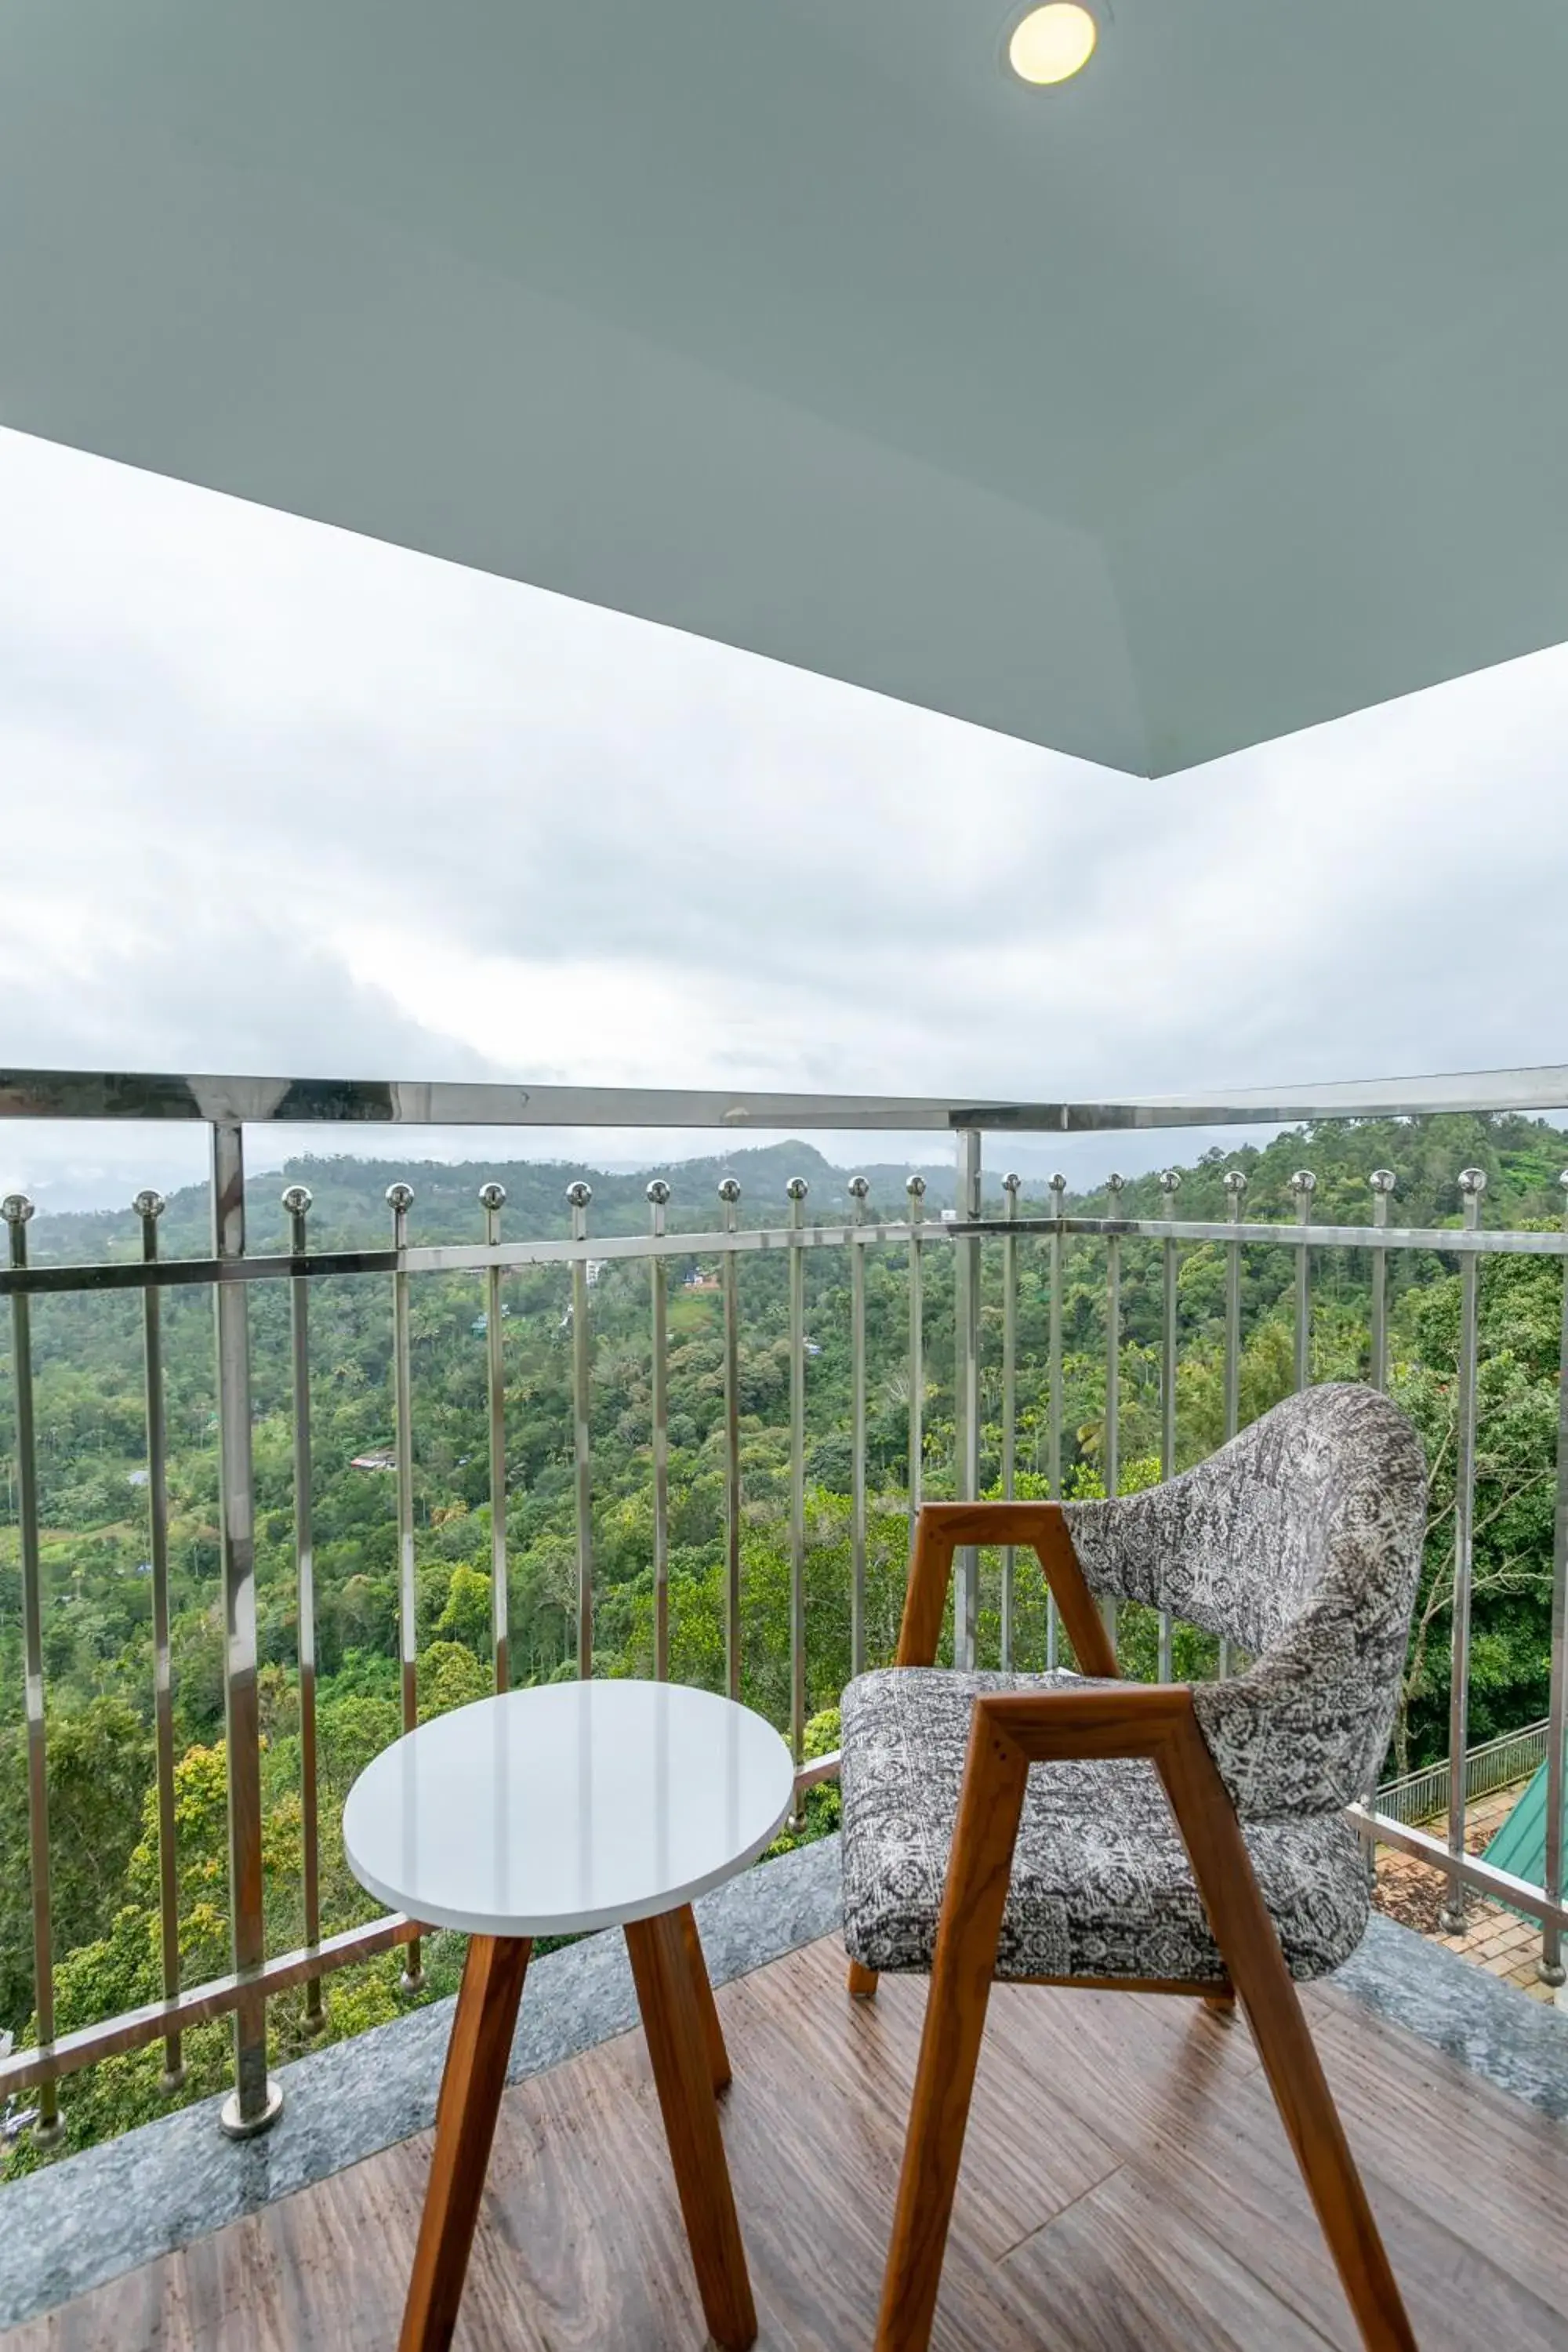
1501,1763
984,1253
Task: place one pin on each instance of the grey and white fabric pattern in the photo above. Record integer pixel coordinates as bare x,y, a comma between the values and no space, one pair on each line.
1100,1883
1301,1542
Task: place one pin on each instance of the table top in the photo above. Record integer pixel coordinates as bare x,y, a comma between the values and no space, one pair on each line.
579,1805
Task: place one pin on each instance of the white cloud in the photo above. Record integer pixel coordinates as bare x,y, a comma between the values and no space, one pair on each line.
272,797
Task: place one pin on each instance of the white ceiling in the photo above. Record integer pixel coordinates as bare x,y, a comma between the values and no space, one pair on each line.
1217,394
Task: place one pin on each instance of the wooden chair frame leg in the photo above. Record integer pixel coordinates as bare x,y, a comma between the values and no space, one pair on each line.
1010,1732
472,2086
683,2072
940,1528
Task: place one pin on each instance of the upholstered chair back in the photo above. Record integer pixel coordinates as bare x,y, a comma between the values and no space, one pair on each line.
1299,1542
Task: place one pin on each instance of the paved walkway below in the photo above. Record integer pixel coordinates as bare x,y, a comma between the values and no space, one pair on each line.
1495,1940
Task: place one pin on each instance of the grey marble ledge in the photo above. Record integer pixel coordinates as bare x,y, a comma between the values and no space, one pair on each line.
87,2218
68,2228
1516,2043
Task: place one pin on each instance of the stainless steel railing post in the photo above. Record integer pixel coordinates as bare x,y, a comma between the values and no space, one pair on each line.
297,1208
1110,1450
578,1197
730,1194
966,1397
1472,1184
400,1199
493,1200
1303,1185
1235,1192
1382,1180
659,1303
1551,1962
797,1189
256,2100
858,1189
1011,1186
1170,1184
916,1189
149,1207
17,1210
1058,1186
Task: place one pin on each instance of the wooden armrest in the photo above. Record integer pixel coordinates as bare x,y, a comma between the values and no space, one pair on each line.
939,1531
1054,1726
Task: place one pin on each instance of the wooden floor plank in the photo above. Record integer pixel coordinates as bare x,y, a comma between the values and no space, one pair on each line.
853,2065
581,2242
815,2133
1233,2176
1126,2188
1492,2173
1122,2272
1128,2065
1495,2170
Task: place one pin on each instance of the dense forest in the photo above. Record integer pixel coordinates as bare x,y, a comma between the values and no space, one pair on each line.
88,1376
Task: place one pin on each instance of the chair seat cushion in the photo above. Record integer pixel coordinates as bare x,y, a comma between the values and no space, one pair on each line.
1100,1886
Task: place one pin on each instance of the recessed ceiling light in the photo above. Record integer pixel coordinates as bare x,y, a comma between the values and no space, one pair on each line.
1052,44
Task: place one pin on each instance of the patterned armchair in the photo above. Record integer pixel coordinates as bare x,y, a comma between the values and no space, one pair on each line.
1066,1828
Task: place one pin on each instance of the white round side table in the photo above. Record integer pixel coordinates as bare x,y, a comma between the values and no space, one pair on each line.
547,1812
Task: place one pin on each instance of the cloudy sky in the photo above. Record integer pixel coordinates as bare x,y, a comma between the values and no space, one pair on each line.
277,799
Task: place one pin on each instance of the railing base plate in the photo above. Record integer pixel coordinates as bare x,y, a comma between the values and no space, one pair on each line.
234,2126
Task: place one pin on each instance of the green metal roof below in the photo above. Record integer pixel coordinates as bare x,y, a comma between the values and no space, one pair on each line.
1519,1846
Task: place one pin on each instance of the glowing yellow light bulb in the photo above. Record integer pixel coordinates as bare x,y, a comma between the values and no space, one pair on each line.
1051,44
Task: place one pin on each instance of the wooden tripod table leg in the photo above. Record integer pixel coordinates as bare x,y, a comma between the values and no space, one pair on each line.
683,2071
466,2112
713,2032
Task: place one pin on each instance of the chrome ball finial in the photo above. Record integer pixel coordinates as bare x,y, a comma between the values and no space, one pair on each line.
400,1196
915,1186
1383,1180
492,1197
296,1200
16,1208
1114,1183
730,1189
149,1204
1058,1186
1562,1180
658,1194
578,1193
860,1186
1170,1180
798,1188
1303,1181
1473,1181
1235,1181
1012,1183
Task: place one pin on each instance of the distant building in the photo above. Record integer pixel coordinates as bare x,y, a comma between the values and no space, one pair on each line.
383,1458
